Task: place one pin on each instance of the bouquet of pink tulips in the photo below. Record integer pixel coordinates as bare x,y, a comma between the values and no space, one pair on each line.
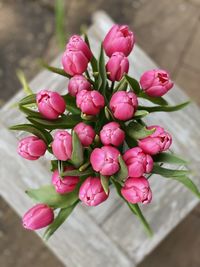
96,133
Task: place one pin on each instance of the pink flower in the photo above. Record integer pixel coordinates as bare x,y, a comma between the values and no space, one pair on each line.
38,217
90,102
77,84
105,160
91,192
156,82
111,134
123,105
62,145
119,39
50,104
64,184
76,43
31,147
157,142
85,133
74,62
137,190
137,162
117,66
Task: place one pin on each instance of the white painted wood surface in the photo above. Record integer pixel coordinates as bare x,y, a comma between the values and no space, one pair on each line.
107,235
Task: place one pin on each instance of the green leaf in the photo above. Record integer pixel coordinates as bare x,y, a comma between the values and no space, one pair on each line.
102,78
169,173
54,165
122,174
65,122
77,156
24,82
131,142
54,69
60,19
169,158
79,173
188,183
41,133
71,104
108,113
59,220
122,85
156,100
133,83
93,61
140,114
48,195
164,108
30,112
105,183
30,99
138,131
136,210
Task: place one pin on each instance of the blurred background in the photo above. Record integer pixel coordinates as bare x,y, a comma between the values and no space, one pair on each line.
168,31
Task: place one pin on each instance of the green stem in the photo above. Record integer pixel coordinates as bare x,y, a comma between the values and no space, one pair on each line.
88,77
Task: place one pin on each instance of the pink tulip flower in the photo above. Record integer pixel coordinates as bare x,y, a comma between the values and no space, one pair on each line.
78,83
156,82
157,142
31,148
136,190
37,217
62,145
50,104
85,133
137,162
112,134
76,43
90,102
64,184
117,66
74,62
123,105
91,192
119,39
105,160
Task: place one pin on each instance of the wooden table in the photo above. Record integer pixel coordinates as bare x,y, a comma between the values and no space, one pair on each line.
108,235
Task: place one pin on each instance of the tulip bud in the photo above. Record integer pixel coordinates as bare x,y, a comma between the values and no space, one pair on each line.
76,43
90,102
62,145
31,148
105,160
137,190
50,104
137,162
74,62
38,217
123,105
156,82
91,192
119,39
77,84
117,66
64,184
85,133
111,134
157,142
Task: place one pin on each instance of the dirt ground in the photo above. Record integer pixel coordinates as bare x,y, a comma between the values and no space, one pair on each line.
169,33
